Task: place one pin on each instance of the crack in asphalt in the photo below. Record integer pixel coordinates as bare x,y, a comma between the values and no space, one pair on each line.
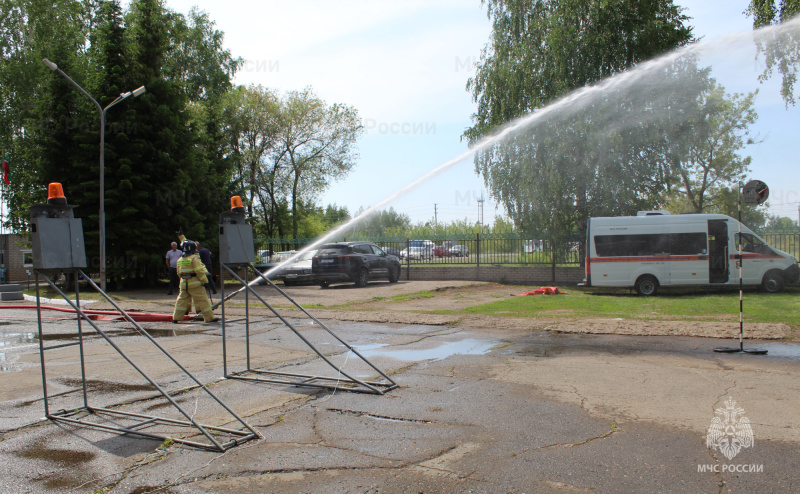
720,476
614,429
251,473
379,417
583,399
432,334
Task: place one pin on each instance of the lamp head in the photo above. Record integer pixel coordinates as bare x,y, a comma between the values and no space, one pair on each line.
138,91
50,65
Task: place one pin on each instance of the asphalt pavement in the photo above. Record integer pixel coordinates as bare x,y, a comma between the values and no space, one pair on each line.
476,410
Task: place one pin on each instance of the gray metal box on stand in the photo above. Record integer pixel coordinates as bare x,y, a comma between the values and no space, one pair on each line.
57,238
235,239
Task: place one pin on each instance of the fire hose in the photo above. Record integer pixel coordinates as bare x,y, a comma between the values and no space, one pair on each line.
105,315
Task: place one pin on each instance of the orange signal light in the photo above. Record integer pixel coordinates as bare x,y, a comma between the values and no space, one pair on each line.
55,194
54,191
236,202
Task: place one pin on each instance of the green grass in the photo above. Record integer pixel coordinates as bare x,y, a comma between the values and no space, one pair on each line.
668,305
412,296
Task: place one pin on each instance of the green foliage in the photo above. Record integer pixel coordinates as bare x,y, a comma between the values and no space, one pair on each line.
166,160
383,222
335,215
781,224
723,201
708,160
672,135
551,177
288,149
781,48
543,49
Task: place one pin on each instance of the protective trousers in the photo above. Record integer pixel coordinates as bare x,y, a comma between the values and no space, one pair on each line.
192,274
193,294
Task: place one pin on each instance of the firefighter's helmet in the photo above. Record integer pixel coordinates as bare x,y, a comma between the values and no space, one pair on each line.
188,247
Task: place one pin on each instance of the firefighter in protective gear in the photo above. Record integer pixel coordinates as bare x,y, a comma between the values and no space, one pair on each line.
192,276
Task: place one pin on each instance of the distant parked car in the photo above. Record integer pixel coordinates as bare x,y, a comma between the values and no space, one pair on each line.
417,253
459,251
392,251
441,250
274,260
296,272
534,245
262,256
354,262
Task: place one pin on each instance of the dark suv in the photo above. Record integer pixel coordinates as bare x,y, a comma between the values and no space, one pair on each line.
355,262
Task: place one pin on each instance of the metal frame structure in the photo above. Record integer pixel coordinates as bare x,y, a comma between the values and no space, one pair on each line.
213,434
343,381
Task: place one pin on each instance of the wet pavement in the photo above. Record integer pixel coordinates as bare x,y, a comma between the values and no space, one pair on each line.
477,410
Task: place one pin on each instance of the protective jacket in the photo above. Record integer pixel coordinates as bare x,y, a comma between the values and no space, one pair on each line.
192,269
192,275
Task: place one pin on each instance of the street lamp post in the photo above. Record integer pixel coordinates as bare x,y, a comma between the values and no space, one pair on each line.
102,216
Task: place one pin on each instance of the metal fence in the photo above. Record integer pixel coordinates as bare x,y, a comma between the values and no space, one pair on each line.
787,242
471,249
485,248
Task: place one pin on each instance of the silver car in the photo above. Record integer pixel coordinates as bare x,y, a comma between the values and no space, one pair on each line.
298,271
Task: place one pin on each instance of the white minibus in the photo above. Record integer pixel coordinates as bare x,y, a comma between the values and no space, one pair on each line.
656,248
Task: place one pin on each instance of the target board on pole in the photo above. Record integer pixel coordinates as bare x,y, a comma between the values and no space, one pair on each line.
755,192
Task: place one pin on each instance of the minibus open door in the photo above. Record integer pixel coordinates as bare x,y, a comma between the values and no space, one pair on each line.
718,265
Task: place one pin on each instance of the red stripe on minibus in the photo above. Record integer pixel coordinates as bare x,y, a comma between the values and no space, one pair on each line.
754,256
648,258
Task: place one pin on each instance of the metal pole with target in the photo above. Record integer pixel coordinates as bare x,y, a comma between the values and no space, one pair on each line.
754,192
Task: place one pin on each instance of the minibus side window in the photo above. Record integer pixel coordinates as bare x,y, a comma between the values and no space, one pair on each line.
682,244
650,244
631,245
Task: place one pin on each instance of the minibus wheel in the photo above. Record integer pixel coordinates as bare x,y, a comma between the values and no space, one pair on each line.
646,285
772,282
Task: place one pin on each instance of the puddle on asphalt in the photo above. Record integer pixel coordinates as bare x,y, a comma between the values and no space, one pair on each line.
781,350
8,340
14,339
543,350
60,456
463,347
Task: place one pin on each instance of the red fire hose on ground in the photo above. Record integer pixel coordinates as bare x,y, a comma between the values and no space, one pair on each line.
105,315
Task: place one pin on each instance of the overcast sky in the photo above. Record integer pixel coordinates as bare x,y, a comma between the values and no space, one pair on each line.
403,64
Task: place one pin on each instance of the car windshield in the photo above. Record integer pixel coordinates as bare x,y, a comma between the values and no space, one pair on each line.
281,256
306,256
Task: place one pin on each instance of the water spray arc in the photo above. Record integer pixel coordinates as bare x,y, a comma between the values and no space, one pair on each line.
645,76
569,101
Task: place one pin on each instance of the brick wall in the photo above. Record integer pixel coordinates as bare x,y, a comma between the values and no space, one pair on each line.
515,275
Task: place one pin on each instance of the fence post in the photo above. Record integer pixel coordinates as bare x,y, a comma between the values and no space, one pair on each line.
408,259
553,261
478,244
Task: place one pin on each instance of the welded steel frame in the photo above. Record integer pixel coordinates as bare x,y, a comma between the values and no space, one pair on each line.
69,416
342,382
